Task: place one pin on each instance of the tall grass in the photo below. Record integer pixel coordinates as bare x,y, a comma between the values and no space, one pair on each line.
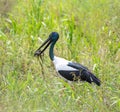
89,34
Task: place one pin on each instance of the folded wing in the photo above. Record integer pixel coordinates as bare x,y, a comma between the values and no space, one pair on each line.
85,74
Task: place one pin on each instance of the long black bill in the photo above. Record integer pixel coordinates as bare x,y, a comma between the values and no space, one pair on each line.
40,50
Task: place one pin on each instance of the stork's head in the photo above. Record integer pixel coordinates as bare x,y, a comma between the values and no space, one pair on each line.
53,37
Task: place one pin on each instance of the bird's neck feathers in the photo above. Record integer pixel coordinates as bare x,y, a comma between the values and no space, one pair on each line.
51,51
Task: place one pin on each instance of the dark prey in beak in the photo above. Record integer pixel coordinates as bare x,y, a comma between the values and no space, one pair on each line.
40,50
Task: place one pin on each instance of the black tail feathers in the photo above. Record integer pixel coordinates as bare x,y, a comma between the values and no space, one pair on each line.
89,77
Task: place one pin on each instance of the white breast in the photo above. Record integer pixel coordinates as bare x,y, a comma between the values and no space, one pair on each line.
61,64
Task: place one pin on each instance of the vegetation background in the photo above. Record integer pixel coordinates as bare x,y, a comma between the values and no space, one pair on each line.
89,34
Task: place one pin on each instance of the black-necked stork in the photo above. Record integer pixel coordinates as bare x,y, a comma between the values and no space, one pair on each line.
69,70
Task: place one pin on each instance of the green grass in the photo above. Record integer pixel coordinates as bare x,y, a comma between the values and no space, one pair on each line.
89,34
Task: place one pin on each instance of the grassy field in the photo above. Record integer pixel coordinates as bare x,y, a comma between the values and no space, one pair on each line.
89,34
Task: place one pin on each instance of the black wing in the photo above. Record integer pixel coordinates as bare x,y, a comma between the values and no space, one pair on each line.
70,75
77,66
85,74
